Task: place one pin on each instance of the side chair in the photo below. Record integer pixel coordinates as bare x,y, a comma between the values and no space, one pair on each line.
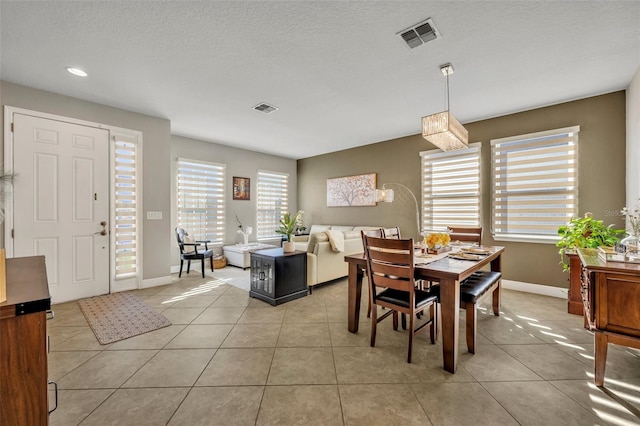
390,271
189,251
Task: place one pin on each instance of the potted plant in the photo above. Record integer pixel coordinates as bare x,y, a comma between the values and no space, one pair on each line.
585,232
288,227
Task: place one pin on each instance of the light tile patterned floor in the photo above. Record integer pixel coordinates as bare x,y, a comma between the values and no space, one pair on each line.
232,360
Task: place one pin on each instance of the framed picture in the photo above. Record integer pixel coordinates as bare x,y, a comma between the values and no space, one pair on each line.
241,188
350,191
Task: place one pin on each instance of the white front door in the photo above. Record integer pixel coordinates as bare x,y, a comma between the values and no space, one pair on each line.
60,201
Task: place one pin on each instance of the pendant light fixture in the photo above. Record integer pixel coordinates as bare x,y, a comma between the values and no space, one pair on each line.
442,129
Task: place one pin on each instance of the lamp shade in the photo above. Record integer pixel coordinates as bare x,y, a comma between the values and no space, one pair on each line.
444,131
384,195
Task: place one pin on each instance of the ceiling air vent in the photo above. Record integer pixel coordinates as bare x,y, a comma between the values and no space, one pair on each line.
266,108
419,34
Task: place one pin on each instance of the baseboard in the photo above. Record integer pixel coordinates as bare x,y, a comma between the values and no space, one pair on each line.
154,282
545,290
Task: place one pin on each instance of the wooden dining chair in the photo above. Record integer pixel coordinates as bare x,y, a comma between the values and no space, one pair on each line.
189,251
471,234
390,271
391,233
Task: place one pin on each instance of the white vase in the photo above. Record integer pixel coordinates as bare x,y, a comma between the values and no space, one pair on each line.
289,246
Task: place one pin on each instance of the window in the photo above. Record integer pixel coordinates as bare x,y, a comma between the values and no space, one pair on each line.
451,188
273,190
200,190
125,215
535,184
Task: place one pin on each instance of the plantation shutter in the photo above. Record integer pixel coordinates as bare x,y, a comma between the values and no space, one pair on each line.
126,208
273,189
535,184
201,199
451,188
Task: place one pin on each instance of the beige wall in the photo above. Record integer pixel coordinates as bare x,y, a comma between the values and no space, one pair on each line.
241,163
601,177
157,240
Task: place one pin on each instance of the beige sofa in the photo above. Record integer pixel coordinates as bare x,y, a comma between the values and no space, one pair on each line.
324,264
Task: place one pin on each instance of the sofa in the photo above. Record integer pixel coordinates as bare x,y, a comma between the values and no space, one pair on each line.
323,263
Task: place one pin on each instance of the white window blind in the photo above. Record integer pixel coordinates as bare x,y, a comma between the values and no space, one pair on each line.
535,184
201,199
126,208
273,189
451,188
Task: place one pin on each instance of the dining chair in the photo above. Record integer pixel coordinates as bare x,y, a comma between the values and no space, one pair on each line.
391,233
390,271
189,251
471,234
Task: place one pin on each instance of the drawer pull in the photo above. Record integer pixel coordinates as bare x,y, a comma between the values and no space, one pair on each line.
55,393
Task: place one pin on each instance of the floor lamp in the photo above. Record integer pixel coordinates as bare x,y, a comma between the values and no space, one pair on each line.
386,195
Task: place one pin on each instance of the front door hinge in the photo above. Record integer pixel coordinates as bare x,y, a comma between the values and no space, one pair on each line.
13,233
12,127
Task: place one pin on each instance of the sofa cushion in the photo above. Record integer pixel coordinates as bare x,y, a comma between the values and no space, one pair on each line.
365,228
352,234
341,228
318,228
316,238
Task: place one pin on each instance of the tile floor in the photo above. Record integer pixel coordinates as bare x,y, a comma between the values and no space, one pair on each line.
228,359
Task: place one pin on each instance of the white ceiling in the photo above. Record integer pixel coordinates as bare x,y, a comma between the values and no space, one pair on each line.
336,69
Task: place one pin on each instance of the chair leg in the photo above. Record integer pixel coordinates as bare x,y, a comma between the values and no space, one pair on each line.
374,324
433,330
181,263
202,263
188,266
395,320
412,332
472,322
496,299
404,321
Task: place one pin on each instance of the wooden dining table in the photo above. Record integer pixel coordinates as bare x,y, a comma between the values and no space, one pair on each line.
449,272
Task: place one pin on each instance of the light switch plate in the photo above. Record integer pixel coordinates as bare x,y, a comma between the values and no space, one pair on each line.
154,215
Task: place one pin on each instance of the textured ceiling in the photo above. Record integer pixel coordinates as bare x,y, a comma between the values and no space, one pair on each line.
336,69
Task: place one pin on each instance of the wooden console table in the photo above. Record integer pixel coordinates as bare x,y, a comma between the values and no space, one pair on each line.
23,344
611,299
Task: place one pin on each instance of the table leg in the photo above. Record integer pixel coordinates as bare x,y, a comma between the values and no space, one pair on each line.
355,294
600,357
450,306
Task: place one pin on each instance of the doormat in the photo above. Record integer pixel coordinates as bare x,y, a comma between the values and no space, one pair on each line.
118,316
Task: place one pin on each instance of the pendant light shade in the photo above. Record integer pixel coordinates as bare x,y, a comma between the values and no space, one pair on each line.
442,129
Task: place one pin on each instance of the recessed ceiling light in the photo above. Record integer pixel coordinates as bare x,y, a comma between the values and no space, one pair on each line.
77,71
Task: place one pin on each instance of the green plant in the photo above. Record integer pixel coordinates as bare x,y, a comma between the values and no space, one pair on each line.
288,225
585,232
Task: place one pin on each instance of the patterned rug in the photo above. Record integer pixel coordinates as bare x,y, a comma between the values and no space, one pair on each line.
118,316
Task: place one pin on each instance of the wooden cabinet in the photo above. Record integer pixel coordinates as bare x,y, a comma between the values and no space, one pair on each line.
23,344
278,277
611,298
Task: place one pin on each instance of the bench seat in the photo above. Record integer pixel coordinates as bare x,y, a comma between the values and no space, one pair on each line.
472,290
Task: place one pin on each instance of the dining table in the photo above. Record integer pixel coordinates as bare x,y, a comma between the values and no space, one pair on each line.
449,272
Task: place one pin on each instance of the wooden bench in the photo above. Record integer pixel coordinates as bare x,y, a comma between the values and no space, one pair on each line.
472,290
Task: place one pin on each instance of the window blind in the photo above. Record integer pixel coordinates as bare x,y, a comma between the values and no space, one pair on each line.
273,188
451,188
201,199
535,184
126,208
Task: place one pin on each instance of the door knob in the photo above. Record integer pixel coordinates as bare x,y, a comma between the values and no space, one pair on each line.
104,228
